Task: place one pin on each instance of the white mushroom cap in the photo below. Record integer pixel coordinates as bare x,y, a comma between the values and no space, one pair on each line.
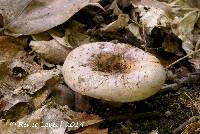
113,72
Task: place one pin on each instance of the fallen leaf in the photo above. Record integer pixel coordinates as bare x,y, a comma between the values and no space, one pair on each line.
172,44
44,36
9,51
16,107
121,22
52,51
32,124
154,4
36,81
135,30
18,69
48,115
116,10
63,95
183,29
25,17
159,19
59,37
76,35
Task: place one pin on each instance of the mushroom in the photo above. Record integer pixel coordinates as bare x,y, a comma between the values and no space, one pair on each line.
113,72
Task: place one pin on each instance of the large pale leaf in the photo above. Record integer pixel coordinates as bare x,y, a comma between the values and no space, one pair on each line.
184,27
34,16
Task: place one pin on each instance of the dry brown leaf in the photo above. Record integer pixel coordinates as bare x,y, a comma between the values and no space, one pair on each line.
14,66
58,36
51,51
63,95
9,50
172,44
30,17
44,36
60,116
184,27
135,30
76,35
36,81
159,19
184,23
31,124
155,4
124,3
116,10
121,22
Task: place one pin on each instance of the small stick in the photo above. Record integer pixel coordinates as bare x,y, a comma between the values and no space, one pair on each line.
182,126
168,88
182,58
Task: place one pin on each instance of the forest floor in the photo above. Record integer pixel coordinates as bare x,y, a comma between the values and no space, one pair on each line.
32,87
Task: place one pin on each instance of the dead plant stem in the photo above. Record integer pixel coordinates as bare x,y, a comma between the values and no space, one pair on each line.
188,55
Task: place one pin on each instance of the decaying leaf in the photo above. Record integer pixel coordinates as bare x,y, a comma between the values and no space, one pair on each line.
172,44
63,95
27,17
166,9
9,51
34,122
14,66
18,69
44,36
40,97
121,22
184,27
37,81
59,37
56,50
9,48
116,10
16,107
57,121
52,51
76,35
159,19
135,30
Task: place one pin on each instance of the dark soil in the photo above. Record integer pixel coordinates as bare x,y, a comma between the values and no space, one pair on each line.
163,112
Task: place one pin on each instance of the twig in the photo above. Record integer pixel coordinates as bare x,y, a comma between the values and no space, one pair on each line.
168,88
197,51
191,78
182,126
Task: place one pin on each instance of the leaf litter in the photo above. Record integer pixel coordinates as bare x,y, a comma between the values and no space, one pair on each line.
32,87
